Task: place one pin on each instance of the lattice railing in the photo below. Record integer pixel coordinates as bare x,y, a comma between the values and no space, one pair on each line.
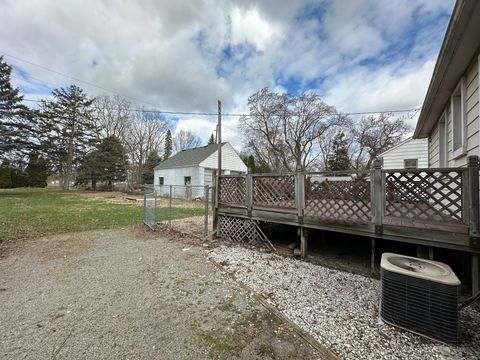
232,190
274,191
245,231
338,200
428,195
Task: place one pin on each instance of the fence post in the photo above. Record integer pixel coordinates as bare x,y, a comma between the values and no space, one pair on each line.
249,193
155,207
205,229
170,207
144,203
473,203
300,195
377,196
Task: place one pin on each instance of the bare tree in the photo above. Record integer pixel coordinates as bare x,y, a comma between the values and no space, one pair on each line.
185,140
146,136
283,130
114,117
374,135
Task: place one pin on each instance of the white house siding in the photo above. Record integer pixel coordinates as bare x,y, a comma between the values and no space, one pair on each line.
208,177
230,160
434,148
409,149
472,118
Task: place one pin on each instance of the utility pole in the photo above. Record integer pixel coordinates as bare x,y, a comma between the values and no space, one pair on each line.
219,167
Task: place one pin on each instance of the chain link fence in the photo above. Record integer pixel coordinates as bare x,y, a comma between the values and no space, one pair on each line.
181,207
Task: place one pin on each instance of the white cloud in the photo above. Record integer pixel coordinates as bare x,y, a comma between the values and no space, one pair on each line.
360,54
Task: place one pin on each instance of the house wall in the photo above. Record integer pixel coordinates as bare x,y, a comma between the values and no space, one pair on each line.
411,149
176,176
434,148
472,99
230,160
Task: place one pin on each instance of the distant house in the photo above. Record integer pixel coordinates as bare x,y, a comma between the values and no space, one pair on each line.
408,154
450,112
195,167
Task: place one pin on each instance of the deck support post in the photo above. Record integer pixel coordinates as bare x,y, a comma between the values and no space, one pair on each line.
474,201
475,269
430,253
378,196
303,242
372,255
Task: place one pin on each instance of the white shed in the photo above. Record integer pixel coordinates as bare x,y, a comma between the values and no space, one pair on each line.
195,167
410,153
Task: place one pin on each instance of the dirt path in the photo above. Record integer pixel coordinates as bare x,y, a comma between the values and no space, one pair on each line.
120,294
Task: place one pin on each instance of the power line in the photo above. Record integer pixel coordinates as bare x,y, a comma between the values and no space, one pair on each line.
414,110
74,78
171,112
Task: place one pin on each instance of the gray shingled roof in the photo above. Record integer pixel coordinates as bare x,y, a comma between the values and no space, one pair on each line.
189,157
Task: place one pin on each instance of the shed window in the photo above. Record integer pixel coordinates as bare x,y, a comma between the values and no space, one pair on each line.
458,119
160,180
410,163
187,180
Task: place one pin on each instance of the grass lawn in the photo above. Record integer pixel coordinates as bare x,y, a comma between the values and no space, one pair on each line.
26,213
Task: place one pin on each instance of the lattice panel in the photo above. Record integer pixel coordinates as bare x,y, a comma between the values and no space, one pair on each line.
274,191
426,195
245,231
232,190
338,200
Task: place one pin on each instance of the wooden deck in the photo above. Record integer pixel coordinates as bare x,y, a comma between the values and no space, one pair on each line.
434,207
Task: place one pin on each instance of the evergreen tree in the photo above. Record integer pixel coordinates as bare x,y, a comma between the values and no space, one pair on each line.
168,145
211,140
37,171
338,159
107,164
253,168
5,176
68,129
112,161
89,171
15,118
149,168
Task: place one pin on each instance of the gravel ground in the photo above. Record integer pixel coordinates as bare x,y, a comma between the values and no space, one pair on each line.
128,294
337,308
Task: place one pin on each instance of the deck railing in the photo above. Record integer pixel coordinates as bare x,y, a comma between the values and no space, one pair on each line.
442,199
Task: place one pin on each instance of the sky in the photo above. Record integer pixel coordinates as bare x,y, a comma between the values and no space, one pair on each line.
358,55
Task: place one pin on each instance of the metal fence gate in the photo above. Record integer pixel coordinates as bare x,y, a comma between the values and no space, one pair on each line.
181,207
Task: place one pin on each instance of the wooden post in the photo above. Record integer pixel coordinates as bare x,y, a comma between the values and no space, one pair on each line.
473,193
249,194
430,253
378,196
300,195
219,167
303,242
475,268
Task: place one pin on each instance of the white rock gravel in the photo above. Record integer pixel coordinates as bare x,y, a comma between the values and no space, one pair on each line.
339,309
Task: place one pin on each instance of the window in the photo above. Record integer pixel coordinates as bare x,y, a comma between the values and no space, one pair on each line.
187,180
160,180
458,119
410,163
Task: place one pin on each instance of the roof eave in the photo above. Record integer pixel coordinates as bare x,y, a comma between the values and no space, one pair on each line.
458,47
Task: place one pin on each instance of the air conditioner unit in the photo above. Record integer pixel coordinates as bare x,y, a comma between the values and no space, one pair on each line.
420,296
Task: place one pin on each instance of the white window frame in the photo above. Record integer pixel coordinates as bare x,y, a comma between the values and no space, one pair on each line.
161,180
410,167
460,151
